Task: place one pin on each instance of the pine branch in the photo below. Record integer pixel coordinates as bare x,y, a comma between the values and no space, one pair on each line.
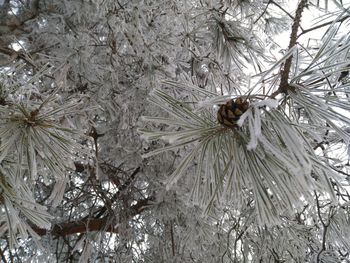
264,12
325,228
92,224
284,85
120,190
80,226
284,10
322,25
325,225
172,239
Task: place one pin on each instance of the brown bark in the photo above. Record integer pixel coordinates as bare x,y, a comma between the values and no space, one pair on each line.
284,84
293,40
107,223
80,226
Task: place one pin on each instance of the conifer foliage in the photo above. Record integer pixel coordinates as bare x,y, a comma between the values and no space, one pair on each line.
174,131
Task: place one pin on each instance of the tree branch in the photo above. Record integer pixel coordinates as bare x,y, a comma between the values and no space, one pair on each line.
325,224
284,85
79,226
280,7
92,224
293,40
267,5
120,190
322,25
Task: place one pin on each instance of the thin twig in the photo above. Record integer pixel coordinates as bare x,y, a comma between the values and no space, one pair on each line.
322,25
267,5
172,239
285,11
120,190
325,225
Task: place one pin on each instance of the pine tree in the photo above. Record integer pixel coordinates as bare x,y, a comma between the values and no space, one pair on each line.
174,131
